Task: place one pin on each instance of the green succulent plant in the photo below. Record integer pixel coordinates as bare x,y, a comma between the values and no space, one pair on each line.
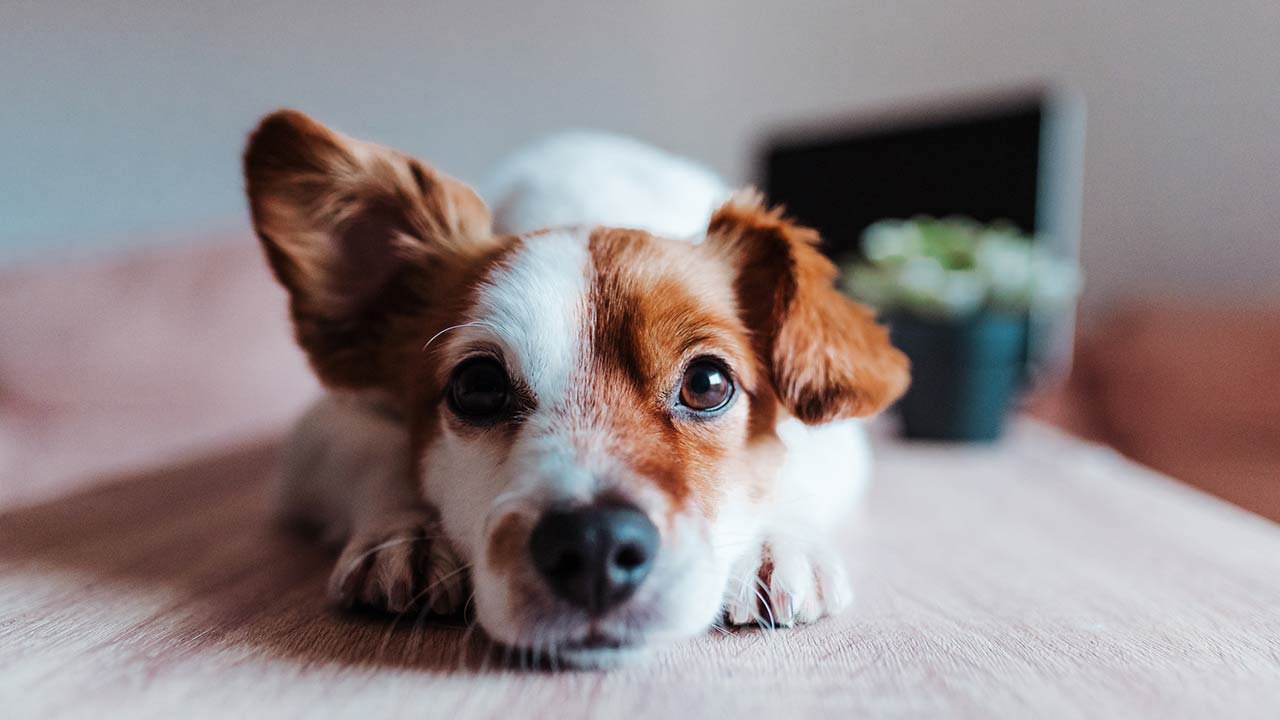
956,267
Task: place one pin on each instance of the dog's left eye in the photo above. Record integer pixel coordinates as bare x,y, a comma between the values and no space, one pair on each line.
706,386
480,389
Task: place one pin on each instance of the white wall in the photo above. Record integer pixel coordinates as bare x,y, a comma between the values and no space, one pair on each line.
121,122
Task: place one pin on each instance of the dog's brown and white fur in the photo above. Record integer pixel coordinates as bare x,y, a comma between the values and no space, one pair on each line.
396,277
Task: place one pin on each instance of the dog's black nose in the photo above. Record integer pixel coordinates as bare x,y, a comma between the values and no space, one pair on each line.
596,556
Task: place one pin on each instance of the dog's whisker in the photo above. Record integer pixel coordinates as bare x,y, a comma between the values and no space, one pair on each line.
359,559
473,323
420,623
425,592
766,601
490,643
764,604
422,612
462,660
386,638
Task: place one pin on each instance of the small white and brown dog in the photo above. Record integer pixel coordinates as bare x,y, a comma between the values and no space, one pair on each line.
616,412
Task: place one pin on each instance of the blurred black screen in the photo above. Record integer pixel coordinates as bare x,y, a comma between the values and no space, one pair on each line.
980,162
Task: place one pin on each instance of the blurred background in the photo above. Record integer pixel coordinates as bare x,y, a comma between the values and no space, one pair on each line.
137,324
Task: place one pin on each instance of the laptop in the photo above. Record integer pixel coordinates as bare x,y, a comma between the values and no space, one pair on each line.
1014,155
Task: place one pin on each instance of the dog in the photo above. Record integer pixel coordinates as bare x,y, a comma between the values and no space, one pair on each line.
618,414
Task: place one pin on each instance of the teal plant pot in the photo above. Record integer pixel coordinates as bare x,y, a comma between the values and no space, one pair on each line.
965,374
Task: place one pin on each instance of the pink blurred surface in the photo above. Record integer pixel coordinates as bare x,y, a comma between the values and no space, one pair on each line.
111,366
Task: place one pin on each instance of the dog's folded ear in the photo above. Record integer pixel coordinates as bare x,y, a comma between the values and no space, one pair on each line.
355,232
826,355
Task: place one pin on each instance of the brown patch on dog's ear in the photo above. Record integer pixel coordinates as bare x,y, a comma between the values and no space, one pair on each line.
355,232
826,355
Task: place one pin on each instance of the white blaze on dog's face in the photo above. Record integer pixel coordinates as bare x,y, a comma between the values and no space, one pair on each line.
592,410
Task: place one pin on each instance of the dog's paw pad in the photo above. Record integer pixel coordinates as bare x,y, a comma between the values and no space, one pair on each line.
398,566
784,584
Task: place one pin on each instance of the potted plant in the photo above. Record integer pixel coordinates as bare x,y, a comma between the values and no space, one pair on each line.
957,295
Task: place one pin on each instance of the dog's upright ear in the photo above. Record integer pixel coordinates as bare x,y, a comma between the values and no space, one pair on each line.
355,232
826,355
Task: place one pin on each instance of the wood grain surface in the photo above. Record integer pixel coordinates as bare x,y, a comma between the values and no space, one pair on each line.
1039,578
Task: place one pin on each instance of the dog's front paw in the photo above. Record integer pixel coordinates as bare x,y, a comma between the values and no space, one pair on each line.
785,583
400,563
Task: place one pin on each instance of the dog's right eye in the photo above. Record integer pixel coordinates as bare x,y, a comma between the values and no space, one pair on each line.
479,389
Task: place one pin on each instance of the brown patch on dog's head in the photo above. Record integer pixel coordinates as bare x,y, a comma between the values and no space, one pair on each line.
658,305
826,355
358,234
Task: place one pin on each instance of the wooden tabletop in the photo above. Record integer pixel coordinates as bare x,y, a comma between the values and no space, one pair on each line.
1041,577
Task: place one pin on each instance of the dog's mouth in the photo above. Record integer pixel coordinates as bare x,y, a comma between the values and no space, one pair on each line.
593,643
598,640
597,651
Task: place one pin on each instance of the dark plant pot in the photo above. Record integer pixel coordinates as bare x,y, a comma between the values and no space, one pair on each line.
964,374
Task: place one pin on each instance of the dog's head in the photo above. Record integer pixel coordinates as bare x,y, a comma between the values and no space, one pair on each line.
592,410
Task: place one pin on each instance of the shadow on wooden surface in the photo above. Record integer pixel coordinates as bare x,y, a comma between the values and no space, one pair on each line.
196,550
1039,577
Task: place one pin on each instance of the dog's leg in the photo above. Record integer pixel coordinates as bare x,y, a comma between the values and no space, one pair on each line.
794,574
347,475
